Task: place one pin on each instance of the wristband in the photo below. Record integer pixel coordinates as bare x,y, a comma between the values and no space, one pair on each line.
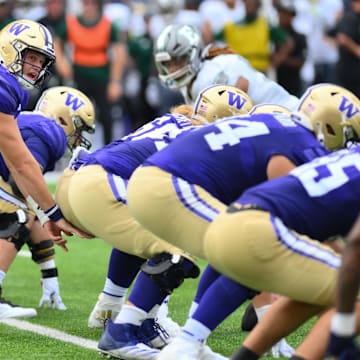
43,218
54,213
343,324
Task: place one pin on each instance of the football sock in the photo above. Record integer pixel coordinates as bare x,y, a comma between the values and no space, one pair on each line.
146,293
194,331
260,311
193,307
111,289
123,268
221,299
2,276
130,315
208,276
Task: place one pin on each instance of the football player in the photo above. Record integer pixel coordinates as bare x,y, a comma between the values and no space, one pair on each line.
92,193
184,63
60,117
214,166
271,228
26,53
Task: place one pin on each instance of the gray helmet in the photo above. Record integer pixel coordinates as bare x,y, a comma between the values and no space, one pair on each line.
179,47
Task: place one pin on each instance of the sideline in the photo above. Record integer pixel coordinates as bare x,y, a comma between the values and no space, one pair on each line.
51,333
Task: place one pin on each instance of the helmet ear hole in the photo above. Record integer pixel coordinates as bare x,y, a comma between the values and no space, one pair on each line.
62,121
330,130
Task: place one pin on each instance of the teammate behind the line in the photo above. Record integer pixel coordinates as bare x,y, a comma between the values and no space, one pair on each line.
60,117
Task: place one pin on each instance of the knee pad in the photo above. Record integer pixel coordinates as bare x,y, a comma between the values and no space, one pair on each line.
43,251
13,229
169,271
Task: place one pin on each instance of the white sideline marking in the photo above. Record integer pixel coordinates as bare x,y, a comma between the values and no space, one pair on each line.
52,333
24,253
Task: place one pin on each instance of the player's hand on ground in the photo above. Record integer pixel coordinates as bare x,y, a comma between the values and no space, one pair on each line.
51,294
282,349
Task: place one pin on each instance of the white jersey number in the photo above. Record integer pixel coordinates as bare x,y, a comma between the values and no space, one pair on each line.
328,173
232,131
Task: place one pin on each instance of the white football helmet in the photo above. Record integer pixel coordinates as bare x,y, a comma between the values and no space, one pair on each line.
332,113
219,101
269,109
177,54
16,39
72,110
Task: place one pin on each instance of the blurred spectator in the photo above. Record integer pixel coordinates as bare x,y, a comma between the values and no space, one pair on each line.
55,15
219,12
97,62
288,70
316,19
348,37
6,13
190,15
136,102
28,9
252,37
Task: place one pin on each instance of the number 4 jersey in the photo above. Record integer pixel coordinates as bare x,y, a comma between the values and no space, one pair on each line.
229,156
319,199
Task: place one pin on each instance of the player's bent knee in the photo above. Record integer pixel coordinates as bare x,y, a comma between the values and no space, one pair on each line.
13,229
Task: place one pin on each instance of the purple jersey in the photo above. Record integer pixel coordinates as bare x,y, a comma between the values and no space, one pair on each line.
122,157
12,97
319,199
45,139
231,155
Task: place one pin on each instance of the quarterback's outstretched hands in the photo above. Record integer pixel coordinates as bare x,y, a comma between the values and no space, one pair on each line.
55,230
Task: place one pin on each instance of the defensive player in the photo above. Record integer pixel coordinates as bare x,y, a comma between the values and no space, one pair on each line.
60,117
265,223
215,164
92,194
183,63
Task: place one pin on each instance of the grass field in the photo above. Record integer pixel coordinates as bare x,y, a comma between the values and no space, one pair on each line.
82,273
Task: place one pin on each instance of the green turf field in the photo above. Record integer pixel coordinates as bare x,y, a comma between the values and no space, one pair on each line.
82,273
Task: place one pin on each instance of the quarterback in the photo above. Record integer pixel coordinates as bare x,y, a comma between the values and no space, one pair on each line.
26,53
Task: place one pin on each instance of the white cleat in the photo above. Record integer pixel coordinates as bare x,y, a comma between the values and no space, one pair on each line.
207,354
169,325
181,349
107,307
10,311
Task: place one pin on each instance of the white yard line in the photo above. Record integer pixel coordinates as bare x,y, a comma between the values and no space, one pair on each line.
52,333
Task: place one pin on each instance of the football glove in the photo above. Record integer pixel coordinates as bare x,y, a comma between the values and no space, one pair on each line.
282,348
51,294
